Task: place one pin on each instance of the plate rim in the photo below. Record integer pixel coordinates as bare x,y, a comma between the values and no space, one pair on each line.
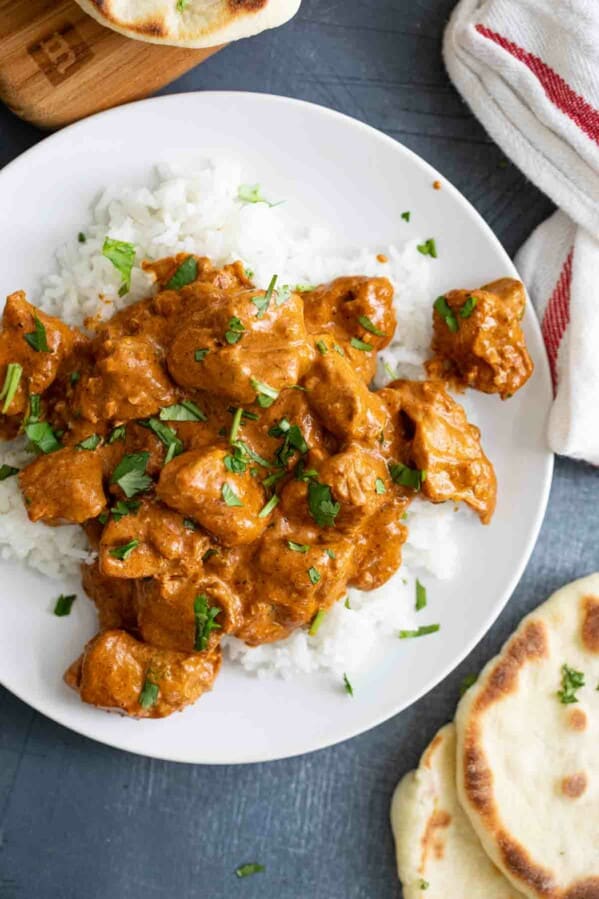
548,461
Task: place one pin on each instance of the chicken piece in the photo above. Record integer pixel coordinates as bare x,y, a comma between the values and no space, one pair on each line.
40,366
344,404
199,485
229,277
434,436
353,307
266,437
290,581
248,344
64,487
359,481
378,546
478,340
118,673
172,612
114,598
128,381
152,540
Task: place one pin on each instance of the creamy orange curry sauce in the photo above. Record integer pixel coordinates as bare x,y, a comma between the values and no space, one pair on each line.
230,463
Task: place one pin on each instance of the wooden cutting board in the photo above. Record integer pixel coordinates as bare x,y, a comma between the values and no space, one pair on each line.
57,64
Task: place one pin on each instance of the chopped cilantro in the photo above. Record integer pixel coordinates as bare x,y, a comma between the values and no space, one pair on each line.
185,274
428,248
235,330
406,216
467,682
37,339
379,486
442,307
266,395
130,474
123,552
420,596
205,621
168,437
407,477
149,694
422,631
14,372
572,681
320,504
361,345
314,575
247,870
90,443
270,505
262,303
348,687
122,256
229,495
122,508
200,355
7,471
117,434
368,325
42,437
316,622
298,547
64,604
252,193
468,307
183,411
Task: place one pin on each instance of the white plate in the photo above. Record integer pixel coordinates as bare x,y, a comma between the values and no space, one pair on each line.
359,181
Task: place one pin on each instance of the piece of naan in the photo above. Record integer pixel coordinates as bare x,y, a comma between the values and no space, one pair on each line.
190,23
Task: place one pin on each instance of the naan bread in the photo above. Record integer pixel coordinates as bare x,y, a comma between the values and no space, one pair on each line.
196,23
434,840
528,763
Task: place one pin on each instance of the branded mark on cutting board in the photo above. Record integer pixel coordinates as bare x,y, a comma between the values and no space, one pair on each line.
60,54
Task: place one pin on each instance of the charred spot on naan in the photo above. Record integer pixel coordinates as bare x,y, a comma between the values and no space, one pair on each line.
529,646
432,840
150,27
584,889
517,860
577,719
590,623
427,758
243,6
574,785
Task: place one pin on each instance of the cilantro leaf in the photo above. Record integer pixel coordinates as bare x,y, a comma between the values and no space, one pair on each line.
407,477
123,552
320,504
235,330
90,443
7,471
130,474
122,256
428,248
185,274
442,308
37,339
42,437
205,621
64,604
183,411
229,495
572,681
14,372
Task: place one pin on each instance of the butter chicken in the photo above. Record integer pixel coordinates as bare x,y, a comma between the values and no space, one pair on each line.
232,467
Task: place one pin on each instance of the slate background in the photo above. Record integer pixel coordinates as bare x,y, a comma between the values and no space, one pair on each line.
81,820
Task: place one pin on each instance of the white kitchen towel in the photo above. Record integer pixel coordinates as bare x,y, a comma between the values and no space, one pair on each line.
529,70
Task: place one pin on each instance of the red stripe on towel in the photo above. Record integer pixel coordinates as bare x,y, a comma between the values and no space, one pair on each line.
559,91
557,316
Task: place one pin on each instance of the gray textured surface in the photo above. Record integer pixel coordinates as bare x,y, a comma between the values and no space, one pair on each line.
78,819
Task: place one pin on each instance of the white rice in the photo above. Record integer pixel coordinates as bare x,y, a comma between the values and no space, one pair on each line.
197,210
